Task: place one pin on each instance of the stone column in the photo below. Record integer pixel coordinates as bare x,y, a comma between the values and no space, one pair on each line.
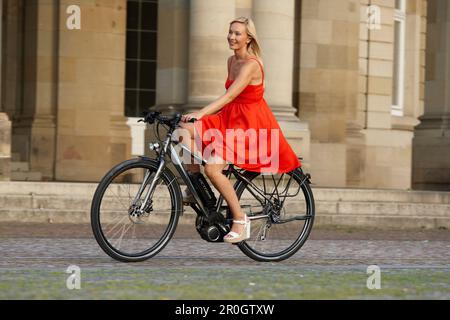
244,8
92,134
5,147
5,124
208,50
275,28
34,130
172,60
12,83
431,146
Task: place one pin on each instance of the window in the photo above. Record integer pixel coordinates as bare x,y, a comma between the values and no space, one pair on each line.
140,74
398,84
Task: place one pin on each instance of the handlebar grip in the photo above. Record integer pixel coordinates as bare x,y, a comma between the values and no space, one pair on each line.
192,120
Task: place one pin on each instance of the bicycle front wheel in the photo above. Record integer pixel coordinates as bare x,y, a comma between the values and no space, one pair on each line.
121,228
282,219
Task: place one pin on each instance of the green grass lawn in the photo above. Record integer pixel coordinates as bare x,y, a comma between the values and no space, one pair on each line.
223,283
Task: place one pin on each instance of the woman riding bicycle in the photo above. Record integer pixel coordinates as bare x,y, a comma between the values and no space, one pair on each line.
242,109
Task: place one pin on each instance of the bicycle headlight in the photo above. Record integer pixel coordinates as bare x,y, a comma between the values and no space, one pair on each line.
154,146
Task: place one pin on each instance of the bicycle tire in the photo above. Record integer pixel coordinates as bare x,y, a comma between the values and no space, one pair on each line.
175,202
245,246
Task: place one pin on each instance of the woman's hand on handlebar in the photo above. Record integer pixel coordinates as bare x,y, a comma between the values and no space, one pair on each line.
191,117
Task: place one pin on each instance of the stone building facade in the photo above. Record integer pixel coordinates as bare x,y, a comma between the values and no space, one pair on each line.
361,88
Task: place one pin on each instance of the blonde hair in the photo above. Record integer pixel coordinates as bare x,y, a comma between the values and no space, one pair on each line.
253,46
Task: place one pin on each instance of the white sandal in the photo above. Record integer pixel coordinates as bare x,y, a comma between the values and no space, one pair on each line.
234,237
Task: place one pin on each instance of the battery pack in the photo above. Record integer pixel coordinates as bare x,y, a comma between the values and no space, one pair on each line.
203,189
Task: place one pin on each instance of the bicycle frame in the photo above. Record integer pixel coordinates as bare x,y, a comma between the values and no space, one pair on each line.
168,149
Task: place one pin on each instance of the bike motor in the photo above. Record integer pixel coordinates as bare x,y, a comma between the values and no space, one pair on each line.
212,228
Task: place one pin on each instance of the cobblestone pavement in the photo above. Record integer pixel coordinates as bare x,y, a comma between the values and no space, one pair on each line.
36,253
21,255
75,244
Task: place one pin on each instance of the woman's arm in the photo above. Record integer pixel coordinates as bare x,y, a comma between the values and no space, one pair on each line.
238,85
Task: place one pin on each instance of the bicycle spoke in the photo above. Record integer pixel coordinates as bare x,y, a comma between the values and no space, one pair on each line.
117,224
117,232
124,231
119,200
115,220
258,235
133,235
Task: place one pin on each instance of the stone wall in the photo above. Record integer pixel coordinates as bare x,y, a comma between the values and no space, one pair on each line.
92,131
388,137
431,157
383,146
65,88
329,84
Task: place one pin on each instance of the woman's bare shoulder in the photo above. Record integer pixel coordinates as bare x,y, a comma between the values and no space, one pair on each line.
254,63
252,58
255,59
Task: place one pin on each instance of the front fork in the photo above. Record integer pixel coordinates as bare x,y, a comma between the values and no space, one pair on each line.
145,205
151,190
138,207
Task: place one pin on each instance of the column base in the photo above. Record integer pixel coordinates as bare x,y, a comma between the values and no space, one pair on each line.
87,158
328,166
33,148
388,159
5,147
296,132
169,108
298,136
431,159
42,151
194,106
120,139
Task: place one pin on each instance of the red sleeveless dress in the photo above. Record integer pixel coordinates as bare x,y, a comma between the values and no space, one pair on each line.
245,132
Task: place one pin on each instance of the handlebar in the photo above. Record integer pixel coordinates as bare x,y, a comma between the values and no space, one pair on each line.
151,117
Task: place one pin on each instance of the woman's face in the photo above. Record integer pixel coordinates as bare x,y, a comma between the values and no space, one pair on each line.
237,36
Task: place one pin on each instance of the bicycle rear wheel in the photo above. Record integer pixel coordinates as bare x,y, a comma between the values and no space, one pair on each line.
280,226
121,229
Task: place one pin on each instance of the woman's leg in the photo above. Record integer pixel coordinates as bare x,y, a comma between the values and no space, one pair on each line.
224,186
191,144
213,171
